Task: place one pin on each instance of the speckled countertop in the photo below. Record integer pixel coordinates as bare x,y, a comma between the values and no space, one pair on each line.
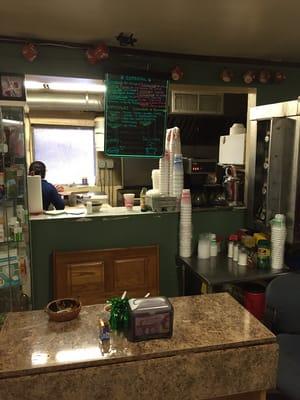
30,344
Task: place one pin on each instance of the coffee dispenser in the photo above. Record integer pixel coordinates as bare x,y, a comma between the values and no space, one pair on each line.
200,178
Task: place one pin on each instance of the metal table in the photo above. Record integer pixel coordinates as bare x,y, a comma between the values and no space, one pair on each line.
217,271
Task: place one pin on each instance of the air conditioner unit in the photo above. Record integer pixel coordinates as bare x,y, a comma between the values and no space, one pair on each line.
183,102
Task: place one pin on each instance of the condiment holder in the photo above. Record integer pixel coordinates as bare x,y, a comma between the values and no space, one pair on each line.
62,310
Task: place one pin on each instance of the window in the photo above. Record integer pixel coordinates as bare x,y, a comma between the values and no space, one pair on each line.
68,153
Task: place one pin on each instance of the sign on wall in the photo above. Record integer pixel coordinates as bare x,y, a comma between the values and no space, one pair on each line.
135,116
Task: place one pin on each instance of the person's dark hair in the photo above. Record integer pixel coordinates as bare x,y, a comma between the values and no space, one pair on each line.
37,168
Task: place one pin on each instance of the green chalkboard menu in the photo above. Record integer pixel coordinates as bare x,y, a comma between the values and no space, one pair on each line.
135,116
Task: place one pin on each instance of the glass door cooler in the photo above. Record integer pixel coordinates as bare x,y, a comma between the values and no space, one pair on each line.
15,281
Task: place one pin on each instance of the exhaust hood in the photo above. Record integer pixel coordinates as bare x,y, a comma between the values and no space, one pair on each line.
57,93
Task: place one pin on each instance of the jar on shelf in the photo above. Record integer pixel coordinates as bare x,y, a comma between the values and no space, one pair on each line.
263,254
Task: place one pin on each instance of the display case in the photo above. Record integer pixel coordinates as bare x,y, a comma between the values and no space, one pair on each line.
15,282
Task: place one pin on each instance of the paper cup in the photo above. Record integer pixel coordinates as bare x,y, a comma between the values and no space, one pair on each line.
128,200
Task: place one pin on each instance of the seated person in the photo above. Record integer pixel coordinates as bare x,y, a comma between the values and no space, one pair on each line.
49,191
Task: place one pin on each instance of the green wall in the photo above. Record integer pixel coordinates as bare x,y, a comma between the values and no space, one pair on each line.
135,231
120,231
72,62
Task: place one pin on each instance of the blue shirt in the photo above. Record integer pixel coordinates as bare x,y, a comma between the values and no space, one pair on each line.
51,196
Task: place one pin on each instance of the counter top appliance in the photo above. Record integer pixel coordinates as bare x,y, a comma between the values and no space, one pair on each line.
200,178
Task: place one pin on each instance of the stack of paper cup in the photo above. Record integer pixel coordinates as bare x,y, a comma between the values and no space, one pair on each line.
177,176
176,138
164,174
173,146
185,225
171,162
168,138
155,179
278,236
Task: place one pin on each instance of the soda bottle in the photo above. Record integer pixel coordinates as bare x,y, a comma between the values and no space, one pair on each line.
143,199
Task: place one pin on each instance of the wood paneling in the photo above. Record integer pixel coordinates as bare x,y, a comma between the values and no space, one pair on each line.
94,276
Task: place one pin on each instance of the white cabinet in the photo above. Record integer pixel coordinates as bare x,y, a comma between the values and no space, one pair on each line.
232,149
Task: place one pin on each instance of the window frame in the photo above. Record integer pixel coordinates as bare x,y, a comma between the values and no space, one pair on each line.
66,127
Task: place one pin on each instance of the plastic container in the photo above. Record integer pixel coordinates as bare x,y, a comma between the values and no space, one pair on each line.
203,247
254,300
243,256
263,254
150,318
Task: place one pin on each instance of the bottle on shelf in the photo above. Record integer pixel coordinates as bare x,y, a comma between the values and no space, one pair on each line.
143,199
20,213
11,225
263,254
213,245
3,142
231,240
236,251
18,237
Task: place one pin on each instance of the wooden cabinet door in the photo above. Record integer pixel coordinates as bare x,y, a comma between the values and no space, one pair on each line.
85,281
135,270
94,276
80,274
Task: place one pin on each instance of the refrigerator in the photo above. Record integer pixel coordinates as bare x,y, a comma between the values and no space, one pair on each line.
273,166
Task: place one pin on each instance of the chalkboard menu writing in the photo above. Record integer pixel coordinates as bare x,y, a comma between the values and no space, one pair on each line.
135,116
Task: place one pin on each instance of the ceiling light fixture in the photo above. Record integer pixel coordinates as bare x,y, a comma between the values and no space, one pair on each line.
11,122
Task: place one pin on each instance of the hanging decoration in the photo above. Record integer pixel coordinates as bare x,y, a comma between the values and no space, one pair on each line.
226,75
176,73
91,56
126,39
249,77
264,76
30,52
97,54
279,77
101,52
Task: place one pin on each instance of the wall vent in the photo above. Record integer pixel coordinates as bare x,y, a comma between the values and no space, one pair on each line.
197,103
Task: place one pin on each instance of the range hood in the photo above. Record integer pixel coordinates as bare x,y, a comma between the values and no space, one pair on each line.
57,93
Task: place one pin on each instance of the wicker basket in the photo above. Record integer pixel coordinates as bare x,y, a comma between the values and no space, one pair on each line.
62,310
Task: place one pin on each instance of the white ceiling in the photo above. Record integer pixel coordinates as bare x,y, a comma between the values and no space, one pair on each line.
265,29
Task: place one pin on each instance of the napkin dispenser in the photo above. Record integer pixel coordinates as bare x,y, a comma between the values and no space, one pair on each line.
150,318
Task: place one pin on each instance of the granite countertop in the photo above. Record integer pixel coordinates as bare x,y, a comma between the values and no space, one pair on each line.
30,344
